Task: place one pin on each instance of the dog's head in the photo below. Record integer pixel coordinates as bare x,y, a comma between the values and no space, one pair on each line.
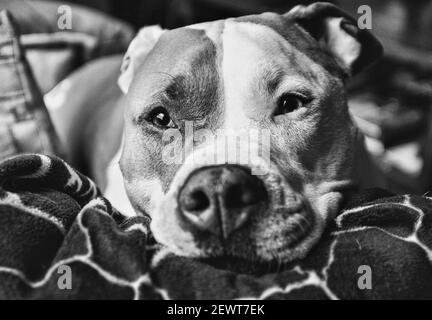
273,82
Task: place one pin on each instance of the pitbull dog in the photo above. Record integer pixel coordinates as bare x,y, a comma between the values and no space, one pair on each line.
279,74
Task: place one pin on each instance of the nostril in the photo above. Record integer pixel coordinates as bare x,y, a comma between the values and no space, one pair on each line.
238,196
249,198
233,197
196,200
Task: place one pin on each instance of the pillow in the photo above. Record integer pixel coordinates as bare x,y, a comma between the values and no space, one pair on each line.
53,53
25,125
35,56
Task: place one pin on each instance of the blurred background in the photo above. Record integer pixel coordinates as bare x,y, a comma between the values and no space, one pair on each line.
391,102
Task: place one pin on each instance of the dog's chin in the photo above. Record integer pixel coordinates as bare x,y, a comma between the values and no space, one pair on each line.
271,252
266,245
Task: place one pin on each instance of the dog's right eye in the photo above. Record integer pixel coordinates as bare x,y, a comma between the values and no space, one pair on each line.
161,118
290,102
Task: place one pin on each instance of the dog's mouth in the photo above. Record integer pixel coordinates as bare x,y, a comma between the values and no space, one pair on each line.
255,251
259,232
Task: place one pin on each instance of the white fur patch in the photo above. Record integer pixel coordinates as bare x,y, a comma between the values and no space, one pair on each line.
249,51
115,191
138,49
345,47
211,29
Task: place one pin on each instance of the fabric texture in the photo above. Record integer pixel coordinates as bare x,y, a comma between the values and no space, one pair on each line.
25,125
52,218
58,37
34,56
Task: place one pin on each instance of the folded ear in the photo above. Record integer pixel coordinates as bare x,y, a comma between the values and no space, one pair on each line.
337,32
138,49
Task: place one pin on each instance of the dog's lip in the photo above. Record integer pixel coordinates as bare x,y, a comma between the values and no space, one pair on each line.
230,260
301,225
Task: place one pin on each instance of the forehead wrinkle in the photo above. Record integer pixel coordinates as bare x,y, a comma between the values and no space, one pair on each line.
176,88
151,83
270,78
195,87
275,76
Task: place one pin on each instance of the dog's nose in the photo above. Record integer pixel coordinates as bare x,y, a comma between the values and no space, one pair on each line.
220,199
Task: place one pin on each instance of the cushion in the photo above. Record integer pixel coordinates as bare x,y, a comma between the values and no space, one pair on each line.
25,125
60,239
54,52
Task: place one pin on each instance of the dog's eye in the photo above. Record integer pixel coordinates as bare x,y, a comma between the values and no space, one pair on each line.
289,103
161,118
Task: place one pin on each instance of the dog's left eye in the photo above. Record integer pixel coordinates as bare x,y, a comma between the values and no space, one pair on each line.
289,103
161,118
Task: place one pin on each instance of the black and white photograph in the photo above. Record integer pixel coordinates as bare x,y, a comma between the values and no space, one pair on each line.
215,150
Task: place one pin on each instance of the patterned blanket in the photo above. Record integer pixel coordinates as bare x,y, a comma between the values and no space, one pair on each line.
59,238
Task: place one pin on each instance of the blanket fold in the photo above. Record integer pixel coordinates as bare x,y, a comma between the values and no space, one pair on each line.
60,239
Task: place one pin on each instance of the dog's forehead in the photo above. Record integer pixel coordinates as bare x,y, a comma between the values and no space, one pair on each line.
270,21
181,49
204,60
266,30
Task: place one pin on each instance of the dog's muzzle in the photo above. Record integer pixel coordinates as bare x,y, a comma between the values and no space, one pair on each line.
220,199
215,209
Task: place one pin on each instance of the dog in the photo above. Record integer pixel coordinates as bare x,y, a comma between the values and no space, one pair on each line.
283,75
